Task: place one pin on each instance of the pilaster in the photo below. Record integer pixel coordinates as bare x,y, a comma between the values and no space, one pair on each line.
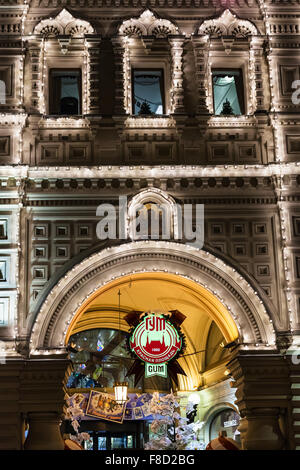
263,398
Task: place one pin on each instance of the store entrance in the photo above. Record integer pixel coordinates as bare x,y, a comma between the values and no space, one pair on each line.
111,440
105,435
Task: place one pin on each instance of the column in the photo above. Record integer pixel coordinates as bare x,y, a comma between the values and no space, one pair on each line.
200,45
263,399
10,415
177,92
260,71
121,80
93,84
42,386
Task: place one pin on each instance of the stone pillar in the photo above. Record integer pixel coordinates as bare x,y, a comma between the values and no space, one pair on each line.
42,385
263,399
36,54
10,416
93,66
44,432
201,47
177,103
122,81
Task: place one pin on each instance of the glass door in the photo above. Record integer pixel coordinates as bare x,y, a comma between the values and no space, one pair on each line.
105,440
122,441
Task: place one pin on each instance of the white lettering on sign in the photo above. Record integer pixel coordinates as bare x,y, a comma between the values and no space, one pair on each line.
233,422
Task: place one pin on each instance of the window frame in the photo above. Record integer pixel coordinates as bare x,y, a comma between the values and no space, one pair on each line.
149,69
50,89
229,69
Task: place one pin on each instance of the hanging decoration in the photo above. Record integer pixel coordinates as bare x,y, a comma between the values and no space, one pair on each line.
156,340
104,406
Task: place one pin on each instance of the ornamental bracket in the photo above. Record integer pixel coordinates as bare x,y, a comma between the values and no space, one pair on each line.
64,42
227,43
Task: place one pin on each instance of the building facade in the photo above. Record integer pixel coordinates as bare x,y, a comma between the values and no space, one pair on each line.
174,102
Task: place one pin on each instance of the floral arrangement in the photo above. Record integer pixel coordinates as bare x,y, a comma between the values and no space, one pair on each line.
170,430
74,414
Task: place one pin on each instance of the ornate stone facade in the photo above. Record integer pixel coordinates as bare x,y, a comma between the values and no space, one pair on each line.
55,171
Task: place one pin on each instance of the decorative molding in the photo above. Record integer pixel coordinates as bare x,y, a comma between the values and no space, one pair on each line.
78,284
228,25
63,24
148,25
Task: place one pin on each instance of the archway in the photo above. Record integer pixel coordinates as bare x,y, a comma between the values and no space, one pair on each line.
241,303
216,298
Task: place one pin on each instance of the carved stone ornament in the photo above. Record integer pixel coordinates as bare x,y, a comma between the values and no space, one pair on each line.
148,25
63,24
228,25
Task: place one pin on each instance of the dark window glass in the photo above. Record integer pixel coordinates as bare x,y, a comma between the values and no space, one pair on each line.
228,92
148,92
65,92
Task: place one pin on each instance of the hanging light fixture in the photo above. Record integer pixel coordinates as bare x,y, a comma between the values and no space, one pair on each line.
120,388
120,391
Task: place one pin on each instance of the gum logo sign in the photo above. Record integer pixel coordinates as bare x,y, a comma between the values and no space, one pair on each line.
155,341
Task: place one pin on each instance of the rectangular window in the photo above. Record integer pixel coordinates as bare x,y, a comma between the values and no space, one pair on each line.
148,91
6,86
65,92
228,90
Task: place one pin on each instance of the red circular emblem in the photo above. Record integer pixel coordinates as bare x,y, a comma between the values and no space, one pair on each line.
155,339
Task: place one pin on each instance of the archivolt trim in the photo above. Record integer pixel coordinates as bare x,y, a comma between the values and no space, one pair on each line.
148,25
63,24
228,25
84,279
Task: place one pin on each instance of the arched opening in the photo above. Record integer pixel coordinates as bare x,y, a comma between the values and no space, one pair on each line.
220,305
99,325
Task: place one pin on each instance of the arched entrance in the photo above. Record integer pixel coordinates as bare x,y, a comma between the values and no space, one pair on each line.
207,328
240,303
211,292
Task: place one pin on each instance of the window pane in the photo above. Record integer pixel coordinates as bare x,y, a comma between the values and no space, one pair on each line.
228,92
102,443
148,92
65,92
118,442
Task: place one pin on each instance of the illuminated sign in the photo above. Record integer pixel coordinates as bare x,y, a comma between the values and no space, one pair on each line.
156,341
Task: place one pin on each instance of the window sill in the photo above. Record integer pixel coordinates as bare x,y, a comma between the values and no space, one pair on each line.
56,120
156,121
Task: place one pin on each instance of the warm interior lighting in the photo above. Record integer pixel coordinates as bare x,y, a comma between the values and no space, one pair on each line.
120,389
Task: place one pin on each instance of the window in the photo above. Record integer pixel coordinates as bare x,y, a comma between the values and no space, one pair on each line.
228,92
65,91
148,91
6,85
227,420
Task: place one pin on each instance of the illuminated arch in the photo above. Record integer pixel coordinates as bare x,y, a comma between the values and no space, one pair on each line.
147,24
228,24
159,197
231,300
63,24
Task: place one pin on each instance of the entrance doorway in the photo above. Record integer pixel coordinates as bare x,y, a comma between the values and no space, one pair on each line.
100,440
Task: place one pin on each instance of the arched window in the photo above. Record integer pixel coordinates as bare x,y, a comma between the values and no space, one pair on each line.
152,215
103,359
225,420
